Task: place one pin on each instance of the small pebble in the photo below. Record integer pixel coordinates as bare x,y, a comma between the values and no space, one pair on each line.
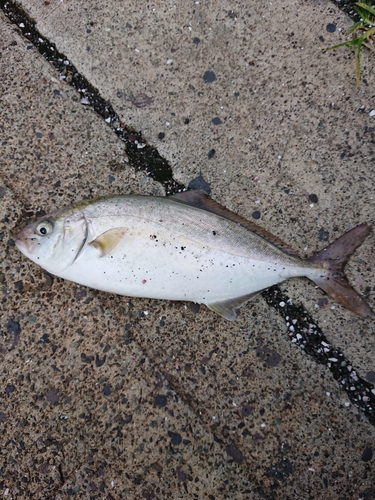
176,438
209,76
235,453
106,390
367,455
160,400
52,396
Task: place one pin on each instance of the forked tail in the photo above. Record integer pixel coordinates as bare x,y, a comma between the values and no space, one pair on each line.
334,282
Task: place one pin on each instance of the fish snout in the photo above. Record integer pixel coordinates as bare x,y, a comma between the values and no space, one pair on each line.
26,241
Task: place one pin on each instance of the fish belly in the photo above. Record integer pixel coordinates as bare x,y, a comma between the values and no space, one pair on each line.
175,269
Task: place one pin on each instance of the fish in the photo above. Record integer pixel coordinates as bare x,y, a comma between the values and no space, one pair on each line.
184,247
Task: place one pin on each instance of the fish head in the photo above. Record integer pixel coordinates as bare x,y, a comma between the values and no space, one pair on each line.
54,241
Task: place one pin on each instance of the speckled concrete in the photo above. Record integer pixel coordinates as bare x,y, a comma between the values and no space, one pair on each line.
102,397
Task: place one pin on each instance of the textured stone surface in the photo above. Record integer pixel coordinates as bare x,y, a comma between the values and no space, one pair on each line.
106,397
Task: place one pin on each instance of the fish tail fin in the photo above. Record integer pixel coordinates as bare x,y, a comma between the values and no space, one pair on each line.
334,282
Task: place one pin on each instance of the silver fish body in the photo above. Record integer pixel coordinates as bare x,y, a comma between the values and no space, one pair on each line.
163,248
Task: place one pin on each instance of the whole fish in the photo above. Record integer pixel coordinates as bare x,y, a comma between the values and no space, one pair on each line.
182,247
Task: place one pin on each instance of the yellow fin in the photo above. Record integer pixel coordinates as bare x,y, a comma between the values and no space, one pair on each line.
107,241
227,308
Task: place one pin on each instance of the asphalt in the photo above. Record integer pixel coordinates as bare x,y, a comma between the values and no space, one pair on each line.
106,397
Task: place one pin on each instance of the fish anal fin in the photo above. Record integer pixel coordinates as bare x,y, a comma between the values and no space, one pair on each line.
227,308
333,280
108,240
200,199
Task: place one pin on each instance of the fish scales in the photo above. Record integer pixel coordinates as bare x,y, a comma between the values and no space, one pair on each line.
177,220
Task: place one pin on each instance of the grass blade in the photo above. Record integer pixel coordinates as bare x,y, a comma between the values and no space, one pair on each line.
366,7
368,33
354,27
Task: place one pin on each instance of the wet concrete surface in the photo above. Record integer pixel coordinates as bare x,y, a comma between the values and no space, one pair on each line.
106,397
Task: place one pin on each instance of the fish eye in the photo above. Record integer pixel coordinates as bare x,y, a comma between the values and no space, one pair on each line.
44,228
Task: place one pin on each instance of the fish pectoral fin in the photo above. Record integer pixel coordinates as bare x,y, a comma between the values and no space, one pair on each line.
107,241
227,308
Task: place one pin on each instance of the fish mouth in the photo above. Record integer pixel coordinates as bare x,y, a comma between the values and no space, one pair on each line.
26,244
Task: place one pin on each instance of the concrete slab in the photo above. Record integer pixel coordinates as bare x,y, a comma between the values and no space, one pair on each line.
106,397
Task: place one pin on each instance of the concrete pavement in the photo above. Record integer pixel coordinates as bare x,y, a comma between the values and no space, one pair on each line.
106,397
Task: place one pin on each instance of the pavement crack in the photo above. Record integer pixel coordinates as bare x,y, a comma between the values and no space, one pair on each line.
304,331
140,154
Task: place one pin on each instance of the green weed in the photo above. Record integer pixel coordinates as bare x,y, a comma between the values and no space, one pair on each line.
365,31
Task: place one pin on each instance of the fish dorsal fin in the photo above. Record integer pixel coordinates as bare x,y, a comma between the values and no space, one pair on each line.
107,241
202,200
226,308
